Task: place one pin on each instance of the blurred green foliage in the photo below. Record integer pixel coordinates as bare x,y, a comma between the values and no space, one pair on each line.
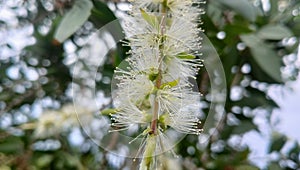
253,42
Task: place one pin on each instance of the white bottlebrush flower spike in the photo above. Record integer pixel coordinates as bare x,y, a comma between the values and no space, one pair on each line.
154,88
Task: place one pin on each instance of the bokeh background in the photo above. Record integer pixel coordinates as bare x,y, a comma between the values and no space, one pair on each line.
43,44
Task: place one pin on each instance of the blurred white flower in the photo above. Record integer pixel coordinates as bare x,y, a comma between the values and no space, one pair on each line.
49,124
54,122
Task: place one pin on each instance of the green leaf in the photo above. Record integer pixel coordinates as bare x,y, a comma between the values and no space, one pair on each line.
71,160
11,145
245,126
274,166
109,111
214,12
44,160
277,142
185,56
73,19
102,15
153,76
242,156
274,32
246,167
151,19
239,28
274,7
4,96
257,73
243,7
295,149
254,99
170,84
266,58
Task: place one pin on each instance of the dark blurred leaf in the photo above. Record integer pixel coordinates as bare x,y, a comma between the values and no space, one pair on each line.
71,160
229,60
277,142
73,19
293,153
246,167
44,160
294,149
274,166
274,7
265,57
243,7
11,145
209,24
257,73
255,98
224,161
237,29
101,14
214,12
274,32
4,96
296,26
47,49
244,127
241,155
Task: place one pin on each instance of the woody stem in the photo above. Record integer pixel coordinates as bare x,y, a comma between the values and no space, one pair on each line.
163,22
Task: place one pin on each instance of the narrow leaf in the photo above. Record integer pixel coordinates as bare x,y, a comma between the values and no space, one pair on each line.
243,7
246,167
151,19
274,32
244,127
274,166
44,160
274,7
73,19
109,111
266,58
11,145
277,143
170,84
256,98
185,56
